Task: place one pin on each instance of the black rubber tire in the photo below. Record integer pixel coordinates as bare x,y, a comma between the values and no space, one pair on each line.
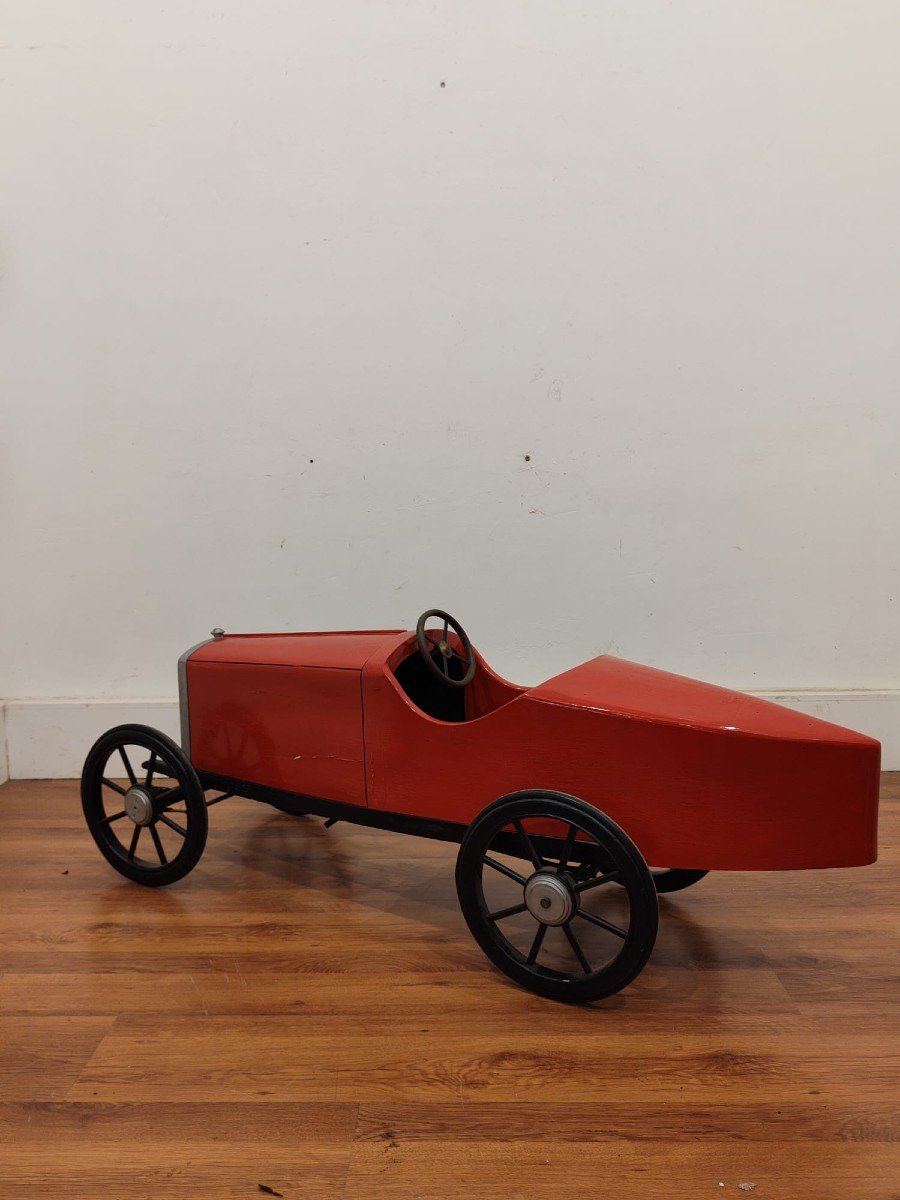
178,767
622,856
676,879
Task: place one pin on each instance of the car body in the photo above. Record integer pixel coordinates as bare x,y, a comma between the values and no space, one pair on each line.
575,803
349,724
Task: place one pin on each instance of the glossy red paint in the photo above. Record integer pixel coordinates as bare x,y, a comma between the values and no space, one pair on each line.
697,775
343,650
290,727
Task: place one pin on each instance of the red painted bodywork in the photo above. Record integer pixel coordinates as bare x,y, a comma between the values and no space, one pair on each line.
697,775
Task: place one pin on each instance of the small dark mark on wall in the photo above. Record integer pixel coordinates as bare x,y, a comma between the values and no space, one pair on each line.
443,83
528,458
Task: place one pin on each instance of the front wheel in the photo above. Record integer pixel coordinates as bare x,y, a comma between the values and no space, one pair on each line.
144,805
554,925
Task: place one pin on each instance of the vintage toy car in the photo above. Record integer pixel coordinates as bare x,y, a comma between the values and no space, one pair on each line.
560,794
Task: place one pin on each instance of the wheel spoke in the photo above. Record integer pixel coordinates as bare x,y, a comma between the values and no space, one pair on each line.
134,842
115,817
127,765
445,632
587,884
172,796
566,850
536,945
530,851
601,924
504,870
151,767
431,641
159,769
573,942
159,846
115,787
445,665
171,824
508,912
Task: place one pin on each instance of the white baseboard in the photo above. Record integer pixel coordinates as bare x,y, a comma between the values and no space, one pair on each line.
4,757
874,713
48,739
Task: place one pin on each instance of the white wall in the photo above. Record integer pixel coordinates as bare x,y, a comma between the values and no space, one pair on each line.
596,345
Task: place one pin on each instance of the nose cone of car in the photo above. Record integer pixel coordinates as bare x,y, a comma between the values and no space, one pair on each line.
706,777
612,685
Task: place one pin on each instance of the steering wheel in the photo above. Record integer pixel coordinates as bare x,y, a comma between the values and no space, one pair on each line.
439,655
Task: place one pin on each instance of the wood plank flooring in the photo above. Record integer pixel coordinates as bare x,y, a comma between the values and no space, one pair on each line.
307,1011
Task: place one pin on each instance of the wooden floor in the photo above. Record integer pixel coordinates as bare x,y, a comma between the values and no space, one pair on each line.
308,1012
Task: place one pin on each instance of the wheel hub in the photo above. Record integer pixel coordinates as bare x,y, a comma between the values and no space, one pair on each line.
139,805
550,898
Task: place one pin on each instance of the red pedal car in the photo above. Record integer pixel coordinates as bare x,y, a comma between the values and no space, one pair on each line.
560,795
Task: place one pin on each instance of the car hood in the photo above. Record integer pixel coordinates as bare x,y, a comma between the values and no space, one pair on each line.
613,686
344,649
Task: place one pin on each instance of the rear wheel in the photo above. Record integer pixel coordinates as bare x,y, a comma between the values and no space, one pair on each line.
528,886
676,879
144,805
665,879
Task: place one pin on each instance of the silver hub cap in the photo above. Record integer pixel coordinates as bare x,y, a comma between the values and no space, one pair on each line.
139,805
549,898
